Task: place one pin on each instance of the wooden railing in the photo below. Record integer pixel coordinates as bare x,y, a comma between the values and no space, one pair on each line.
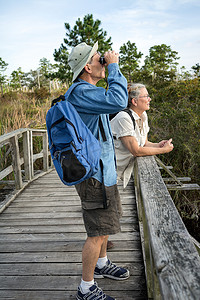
172,262
28,158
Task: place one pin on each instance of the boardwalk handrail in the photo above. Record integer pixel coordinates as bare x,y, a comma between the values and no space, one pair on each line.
171,259
28,156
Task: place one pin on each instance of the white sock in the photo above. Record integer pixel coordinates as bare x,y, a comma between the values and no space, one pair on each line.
85,285
102,262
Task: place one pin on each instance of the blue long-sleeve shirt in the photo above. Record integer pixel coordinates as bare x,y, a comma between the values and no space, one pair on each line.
91,101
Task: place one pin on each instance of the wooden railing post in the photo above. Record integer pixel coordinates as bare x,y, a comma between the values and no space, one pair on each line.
45,152
26,149
16,162
31,153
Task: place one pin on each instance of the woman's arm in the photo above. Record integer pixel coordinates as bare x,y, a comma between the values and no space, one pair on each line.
156,145
132,145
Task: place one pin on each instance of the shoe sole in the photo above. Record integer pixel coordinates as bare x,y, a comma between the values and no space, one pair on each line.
111,277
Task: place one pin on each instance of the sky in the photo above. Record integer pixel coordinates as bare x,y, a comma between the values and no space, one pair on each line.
32,29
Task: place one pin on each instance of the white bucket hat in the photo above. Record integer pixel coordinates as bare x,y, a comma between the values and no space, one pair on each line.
80,56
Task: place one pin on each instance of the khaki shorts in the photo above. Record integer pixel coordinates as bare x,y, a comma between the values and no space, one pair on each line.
99,221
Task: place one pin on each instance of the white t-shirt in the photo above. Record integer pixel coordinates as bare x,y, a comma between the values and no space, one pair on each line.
122,125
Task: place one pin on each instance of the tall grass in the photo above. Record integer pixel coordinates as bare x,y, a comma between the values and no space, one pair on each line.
22,111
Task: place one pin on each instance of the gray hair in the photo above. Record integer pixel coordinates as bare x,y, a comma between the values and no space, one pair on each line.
83,70
134,91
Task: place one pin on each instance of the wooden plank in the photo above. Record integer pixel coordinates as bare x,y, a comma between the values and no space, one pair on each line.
162,165
26,149
183,187
55,222
70,236
179,178
47,209
56,269
16,162
45,202
6,137
56,257
57,228
54,193
6,172
47,215
75,246
65,295
63,283
176,260
45,152
61,197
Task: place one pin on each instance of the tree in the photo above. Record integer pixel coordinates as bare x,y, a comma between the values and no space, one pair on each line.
161,63
129,60
45,67
31,78
196,69
87,31
63,71
44,72
3,67
17,79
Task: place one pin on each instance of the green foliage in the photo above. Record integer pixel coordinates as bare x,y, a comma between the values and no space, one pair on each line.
129,61
175,113
161,63
63,71
17,79
3,67
196,69
87,31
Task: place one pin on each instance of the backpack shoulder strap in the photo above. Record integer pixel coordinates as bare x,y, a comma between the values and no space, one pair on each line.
102,130
60,98
65,97
131,115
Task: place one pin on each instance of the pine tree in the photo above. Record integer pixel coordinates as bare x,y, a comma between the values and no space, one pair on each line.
129,61
161,63
87,31
3,67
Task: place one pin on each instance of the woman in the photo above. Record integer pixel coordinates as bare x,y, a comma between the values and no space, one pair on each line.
131,139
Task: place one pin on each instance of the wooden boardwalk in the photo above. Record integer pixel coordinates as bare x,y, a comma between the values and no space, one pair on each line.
41,237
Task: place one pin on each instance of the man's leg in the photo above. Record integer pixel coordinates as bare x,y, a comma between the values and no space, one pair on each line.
94,248
103,251
89,289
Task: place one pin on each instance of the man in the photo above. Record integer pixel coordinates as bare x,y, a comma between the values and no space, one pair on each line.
100,219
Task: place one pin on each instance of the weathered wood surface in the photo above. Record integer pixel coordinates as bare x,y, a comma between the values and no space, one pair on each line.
41,237
176,260
28,158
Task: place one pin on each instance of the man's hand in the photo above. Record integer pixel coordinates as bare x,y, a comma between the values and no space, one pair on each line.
111,57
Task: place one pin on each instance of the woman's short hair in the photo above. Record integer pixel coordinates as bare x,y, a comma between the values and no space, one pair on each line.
134,91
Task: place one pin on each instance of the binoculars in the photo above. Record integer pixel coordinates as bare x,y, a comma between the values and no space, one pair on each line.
102,60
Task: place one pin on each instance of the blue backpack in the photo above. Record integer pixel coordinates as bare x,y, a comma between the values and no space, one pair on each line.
74,149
